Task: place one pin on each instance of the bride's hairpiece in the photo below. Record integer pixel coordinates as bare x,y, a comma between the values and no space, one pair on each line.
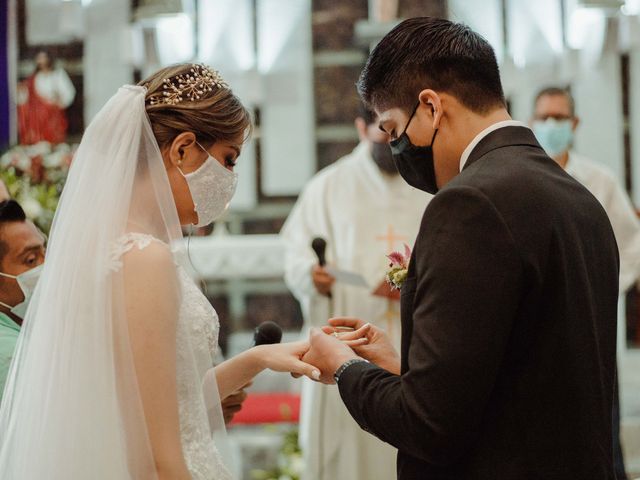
200,80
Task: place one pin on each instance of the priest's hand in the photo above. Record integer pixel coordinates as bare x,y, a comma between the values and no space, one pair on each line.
327,353
322,280
378,349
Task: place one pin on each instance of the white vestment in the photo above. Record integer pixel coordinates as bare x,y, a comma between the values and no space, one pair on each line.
363,215
54,86
604,186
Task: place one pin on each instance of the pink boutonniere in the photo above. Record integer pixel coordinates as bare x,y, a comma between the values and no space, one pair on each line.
398,268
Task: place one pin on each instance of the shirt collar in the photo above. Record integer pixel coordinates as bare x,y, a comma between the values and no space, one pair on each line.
491,128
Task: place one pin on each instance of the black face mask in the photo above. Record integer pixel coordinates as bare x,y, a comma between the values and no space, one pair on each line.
415,164
381,154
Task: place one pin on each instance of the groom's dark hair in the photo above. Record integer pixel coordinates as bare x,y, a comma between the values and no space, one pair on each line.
427,52
10,211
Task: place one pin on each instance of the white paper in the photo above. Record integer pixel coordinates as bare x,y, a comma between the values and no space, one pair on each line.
348,278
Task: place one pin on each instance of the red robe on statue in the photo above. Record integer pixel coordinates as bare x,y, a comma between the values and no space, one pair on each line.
39,120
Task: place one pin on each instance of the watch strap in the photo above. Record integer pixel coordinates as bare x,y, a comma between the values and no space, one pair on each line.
345,365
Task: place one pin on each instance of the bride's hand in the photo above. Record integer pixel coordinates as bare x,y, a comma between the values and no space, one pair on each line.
285,357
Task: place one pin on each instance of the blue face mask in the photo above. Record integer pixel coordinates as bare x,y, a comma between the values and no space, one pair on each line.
555,136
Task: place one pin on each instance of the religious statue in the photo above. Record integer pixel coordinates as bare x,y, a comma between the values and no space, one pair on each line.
42,100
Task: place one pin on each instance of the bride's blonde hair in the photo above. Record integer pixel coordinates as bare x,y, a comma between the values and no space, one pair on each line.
214,115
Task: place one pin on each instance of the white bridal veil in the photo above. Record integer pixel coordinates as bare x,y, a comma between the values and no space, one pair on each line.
71,408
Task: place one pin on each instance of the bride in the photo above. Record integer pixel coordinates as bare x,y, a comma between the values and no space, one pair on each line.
112,377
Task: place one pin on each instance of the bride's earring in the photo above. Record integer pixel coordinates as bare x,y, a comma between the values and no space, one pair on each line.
181,155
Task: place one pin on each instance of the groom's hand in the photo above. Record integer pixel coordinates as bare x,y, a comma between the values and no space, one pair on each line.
327,354
378,349
353,338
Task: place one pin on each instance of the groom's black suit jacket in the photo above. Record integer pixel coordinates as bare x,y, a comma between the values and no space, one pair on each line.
508,328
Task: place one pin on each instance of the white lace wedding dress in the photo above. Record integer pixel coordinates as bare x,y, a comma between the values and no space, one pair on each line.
197,342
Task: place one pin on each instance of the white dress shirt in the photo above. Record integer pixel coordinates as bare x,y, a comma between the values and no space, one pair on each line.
492,128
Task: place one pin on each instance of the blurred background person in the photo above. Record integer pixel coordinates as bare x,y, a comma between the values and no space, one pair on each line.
42,100
21,253
554,124
363,210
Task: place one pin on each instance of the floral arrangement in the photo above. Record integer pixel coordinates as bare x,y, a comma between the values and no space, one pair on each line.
399,268
290,463
34,176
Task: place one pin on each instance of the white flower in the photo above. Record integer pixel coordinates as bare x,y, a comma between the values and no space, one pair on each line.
5,160
40,148
11,156
31,207
54,160
297,464
22,161
399,277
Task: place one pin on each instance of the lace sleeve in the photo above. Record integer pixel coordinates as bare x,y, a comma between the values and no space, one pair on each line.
124,244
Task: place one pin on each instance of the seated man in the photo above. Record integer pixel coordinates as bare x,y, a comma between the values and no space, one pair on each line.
21,251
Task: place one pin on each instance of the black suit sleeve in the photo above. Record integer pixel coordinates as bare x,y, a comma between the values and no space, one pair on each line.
468,278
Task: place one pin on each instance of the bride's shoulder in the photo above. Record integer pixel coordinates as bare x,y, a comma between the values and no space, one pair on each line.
140,250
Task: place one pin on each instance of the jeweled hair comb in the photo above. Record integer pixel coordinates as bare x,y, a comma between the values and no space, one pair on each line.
192,86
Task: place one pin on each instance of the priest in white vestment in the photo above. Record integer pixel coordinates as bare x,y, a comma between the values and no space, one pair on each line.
554,124
363,210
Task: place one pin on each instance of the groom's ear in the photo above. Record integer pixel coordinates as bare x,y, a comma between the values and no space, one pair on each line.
178,147
432,100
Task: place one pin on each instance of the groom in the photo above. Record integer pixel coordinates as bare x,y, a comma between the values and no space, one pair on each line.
508,351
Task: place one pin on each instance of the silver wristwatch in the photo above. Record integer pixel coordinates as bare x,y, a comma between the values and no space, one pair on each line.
345,365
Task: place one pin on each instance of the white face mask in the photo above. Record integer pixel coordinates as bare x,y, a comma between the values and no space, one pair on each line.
27,282
212,187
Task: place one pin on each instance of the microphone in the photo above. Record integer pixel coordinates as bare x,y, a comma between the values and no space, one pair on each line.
319,245
267,333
